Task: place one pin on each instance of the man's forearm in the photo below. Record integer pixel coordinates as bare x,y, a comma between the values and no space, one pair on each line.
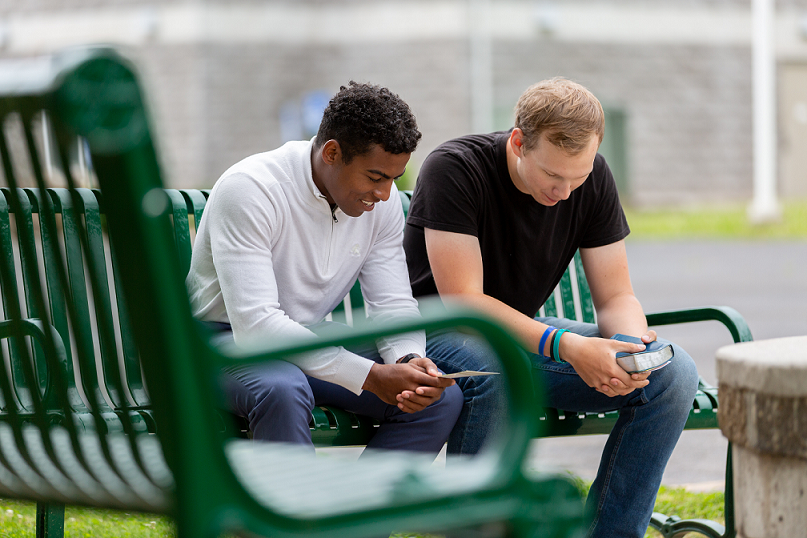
621,314
525,329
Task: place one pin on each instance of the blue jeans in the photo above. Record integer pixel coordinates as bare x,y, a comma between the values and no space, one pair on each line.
277,398
650,422
484,397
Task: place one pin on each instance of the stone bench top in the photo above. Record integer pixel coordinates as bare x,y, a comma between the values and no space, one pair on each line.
776,366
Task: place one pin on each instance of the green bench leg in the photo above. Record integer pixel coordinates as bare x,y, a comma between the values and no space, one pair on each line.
675,527
49,520
728,501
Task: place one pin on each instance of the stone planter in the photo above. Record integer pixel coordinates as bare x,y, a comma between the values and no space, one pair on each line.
763,412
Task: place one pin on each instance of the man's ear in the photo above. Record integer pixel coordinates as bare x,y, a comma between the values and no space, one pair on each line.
517,142
331,152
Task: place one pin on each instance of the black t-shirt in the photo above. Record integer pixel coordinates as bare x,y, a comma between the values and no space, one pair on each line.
464,187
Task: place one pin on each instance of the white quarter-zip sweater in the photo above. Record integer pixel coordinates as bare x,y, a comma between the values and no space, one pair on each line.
270,257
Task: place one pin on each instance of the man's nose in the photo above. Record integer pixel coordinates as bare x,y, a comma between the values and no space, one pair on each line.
564,191
382,190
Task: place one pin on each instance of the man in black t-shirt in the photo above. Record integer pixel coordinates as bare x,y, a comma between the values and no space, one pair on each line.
494,221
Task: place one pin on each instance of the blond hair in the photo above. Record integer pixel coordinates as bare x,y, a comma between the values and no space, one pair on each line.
566,111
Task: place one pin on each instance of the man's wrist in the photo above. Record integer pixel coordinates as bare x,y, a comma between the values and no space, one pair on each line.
408,357
369,381
566,347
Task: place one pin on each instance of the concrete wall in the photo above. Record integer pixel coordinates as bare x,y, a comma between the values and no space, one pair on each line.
219,73
688,110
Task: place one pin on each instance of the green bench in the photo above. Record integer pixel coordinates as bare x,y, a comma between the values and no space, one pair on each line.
109,394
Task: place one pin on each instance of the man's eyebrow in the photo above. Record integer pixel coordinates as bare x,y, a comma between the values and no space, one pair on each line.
551,173
382,174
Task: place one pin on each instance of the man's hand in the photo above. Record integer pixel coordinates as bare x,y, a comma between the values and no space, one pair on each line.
412,386
594,360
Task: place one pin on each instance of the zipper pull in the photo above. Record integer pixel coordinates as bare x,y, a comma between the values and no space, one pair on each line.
333,214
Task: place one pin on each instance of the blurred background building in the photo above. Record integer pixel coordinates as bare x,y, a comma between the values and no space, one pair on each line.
227,79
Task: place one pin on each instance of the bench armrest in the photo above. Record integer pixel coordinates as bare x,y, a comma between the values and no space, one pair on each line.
36,329
726,315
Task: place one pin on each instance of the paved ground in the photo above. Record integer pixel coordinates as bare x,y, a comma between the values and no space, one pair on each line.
765,282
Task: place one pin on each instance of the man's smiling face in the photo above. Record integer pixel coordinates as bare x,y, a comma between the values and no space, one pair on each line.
357,186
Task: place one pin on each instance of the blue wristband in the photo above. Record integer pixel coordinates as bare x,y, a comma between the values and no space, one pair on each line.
546,334
556,346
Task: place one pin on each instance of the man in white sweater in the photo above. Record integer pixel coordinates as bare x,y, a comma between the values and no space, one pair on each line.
284,236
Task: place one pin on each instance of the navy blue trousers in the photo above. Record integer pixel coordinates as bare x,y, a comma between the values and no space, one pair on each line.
277,398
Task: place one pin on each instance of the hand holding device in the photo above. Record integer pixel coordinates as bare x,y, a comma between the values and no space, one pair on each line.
654,356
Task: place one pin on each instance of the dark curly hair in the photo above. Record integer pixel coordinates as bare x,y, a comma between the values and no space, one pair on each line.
362,115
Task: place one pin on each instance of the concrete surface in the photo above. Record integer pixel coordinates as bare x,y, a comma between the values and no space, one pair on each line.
765,281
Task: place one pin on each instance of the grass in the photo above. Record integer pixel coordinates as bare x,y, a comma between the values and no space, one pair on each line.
18,519
718,222
687,505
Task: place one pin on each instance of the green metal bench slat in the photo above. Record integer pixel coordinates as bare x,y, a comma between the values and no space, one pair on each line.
357,300
335,427
196,201
8,283
550,309
95,255
26,241
71,227
27,376
58,313
339,314
7,251
566,295
179,207
583,291
131,361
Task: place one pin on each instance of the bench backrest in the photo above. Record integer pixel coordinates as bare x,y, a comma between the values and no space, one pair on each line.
115,377
62,442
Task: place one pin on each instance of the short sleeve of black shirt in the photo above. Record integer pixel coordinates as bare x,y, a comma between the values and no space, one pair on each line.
464,187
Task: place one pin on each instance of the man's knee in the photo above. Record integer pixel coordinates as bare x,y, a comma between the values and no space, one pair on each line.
684,367
454,351
451,402
443,413
680,377
276,388
285,393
